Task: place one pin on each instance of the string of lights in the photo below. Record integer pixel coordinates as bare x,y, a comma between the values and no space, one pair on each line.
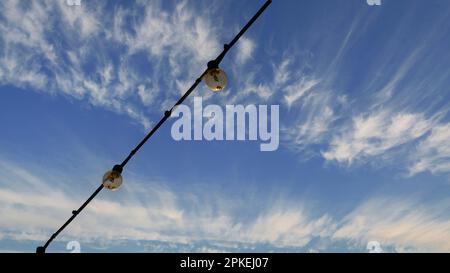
215,79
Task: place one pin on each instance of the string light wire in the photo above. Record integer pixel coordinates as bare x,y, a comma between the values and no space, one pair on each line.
213,64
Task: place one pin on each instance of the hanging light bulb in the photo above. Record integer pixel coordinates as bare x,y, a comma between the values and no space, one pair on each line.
216,79
112,180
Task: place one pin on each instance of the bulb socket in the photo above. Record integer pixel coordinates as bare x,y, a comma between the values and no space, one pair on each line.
117,168
213,64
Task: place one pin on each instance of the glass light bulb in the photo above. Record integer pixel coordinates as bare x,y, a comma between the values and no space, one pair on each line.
112,180
216,79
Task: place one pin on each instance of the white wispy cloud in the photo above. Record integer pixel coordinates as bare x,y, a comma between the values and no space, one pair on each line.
401,223
403,69
245,50
282,72
78,19
33,207
143,209
433,153
298,89
313,107
94,58
390,108
313,124
375,134
288,227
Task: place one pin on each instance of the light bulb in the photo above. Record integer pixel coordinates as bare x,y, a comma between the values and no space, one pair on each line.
112,180
216,79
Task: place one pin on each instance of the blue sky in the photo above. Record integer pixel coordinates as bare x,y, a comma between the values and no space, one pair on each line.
364,126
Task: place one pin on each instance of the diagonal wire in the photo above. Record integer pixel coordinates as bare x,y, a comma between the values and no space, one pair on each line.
212,64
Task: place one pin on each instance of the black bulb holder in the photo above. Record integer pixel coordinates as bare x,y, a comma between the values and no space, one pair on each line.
213,64
117,168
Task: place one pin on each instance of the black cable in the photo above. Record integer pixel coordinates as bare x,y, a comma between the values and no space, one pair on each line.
41,249
119,168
